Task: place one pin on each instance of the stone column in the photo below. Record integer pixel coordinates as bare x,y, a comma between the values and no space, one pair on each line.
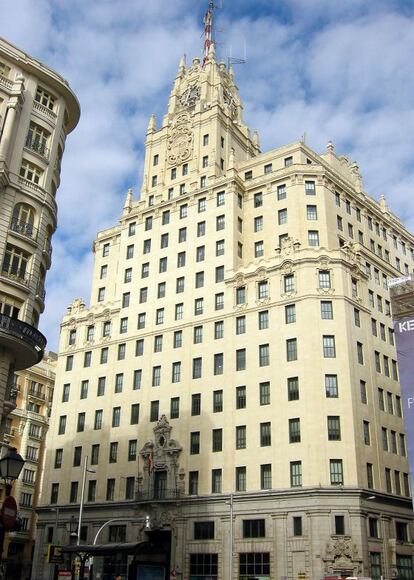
8,129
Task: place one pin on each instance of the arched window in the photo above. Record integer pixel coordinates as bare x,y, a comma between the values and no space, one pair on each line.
15,263
23,219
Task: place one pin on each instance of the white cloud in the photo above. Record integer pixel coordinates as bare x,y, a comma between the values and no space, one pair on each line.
338,71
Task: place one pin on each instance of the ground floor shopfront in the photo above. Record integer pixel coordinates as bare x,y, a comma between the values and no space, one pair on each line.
312,533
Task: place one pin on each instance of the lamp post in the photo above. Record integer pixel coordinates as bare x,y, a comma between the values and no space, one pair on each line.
11,465
78,535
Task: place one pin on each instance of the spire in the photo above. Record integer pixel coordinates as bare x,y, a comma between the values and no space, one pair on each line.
128,201
181,66
208,32
151,125
256,140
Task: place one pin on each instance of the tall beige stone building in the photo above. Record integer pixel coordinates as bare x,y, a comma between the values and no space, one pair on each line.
234,376
26,429
37,111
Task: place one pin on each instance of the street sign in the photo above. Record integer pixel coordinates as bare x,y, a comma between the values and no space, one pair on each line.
8,512
54,554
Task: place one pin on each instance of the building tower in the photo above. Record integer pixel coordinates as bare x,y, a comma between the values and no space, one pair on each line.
37,111
235,375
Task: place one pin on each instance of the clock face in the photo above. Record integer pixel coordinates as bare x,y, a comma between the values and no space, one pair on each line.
190,96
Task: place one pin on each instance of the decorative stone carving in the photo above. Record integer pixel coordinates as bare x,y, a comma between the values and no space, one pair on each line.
180,140
161,454
342,555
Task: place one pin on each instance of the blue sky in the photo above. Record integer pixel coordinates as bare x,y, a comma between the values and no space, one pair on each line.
340,71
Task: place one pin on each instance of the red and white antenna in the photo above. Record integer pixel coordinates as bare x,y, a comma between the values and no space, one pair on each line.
208,30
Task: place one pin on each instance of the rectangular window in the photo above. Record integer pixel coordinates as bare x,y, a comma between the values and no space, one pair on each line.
116,416
281,192
241,437
217,440
220,223
241,477
241,295
360,353
311,212
291,349
101,386
241,397
198,334
241,359
98,419
81,423
290,313
310,188
331,386
254,528
258,249
263,319
217,401
264,356
154,411
258,223
336,471
334,428
220,248
179,288
282,216
134,414
176,372
119,382
313,238
293,388
294,430
218,329
195,443
264,393
132,450
175,408
195,404
329,349
289,283
84,389
266,476
178,339
295,473
113,452
197,367
218,363
265,434
121,351
110,489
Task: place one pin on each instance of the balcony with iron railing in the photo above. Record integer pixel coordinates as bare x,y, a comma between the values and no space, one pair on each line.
38,146
25,342
160,494
16,275
24,228
5,82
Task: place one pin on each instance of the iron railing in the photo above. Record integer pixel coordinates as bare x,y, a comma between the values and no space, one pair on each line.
23,331
24,228
37,146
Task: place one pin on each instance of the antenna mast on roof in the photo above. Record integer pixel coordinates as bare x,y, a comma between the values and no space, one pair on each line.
235,60
208,29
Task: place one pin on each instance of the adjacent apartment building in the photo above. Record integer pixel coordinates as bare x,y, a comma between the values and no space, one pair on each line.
234,376
37,111
26,429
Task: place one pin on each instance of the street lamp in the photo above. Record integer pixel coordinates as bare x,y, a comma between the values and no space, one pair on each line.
11,466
